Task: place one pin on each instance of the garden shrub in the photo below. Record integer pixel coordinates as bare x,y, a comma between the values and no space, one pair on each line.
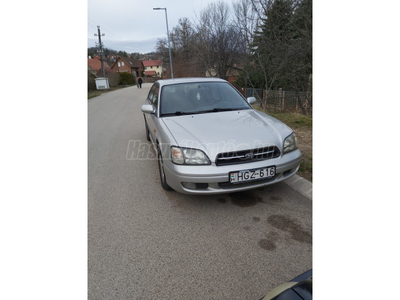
126,78
113,79
91,82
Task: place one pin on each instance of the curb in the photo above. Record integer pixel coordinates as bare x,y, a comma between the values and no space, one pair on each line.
303,186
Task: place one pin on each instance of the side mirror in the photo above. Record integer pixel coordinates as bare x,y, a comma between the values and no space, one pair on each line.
251,100
147,109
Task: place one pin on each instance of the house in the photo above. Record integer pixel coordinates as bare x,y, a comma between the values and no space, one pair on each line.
152,68
130,65
232,73
211,72
94,65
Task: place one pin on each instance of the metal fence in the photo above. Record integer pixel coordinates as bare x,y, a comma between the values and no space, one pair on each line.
257,93
282,101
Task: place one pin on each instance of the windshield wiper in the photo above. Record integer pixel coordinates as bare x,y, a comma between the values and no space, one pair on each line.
222,109
180,113
217,109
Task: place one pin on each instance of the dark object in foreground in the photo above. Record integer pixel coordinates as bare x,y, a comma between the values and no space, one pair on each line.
299,288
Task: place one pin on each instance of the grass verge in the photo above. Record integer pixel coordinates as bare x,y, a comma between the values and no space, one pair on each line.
302,126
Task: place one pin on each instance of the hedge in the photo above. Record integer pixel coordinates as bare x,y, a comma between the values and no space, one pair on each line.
126,78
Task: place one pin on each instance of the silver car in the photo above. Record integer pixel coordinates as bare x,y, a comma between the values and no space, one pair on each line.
209,140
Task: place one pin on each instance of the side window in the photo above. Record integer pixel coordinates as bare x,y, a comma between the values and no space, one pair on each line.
151,93
155,97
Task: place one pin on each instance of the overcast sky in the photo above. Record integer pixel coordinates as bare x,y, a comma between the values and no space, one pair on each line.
133,25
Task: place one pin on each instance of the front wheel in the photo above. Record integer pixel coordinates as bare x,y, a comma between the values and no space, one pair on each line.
164,183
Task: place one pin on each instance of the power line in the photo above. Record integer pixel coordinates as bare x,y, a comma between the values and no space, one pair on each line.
91,25
111,36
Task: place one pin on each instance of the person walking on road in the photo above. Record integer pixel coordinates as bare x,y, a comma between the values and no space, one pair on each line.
140,81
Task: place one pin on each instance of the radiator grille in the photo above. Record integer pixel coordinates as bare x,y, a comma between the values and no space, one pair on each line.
245,156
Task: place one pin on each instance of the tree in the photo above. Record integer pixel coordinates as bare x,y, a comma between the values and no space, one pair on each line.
246,21
301,68
217,39
182,38
92,51
183,49
122,54
282,45
272,41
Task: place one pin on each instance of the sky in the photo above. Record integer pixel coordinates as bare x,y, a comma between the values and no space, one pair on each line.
133,25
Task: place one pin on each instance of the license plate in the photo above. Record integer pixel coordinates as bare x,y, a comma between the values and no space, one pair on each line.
251,175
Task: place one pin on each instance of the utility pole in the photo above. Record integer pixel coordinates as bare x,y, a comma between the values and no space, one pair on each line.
100,51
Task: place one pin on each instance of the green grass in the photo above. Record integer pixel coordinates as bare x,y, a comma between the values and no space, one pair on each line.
305,169
302,126
93,94
293,120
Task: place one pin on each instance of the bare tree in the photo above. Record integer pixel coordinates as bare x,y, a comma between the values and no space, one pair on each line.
217,39
246,20
182,36
184,59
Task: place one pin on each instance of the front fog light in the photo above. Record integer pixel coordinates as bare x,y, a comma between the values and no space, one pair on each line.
195,186
189,185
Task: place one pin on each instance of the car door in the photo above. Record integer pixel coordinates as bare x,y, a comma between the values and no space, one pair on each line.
151,119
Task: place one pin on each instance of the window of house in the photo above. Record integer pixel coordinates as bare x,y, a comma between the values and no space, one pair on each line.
119,64
122,63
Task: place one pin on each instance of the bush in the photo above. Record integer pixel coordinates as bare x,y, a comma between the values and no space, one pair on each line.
113,79
126,79
91,82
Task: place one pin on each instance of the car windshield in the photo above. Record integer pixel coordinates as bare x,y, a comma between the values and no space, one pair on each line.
200,97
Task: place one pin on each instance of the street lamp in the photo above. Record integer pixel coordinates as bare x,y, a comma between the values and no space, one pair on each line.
169,44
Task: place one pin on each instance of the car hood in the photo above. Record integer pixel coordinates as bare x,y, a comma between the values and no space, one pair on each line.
227,131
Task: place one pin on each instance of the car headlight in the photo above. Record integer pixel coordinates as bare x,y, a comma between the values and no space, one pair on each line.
290,143
187,156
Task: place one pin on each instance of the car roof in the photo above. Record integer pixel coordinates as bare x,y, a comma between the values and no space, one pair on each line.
163,82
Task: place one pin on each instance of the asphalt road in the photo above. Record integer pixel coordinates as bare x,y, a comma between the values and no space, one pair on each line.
146,243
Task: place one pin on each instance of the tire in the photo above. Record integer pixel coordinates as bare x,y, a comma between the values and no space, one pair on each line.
147,131
164,183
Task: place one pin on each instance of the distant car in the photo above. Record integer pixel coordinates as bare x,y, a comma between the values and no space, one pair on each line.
299,288
209,139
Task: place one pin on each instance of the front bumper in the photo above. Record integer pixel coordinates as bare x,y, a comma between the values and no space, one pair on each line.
212,179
